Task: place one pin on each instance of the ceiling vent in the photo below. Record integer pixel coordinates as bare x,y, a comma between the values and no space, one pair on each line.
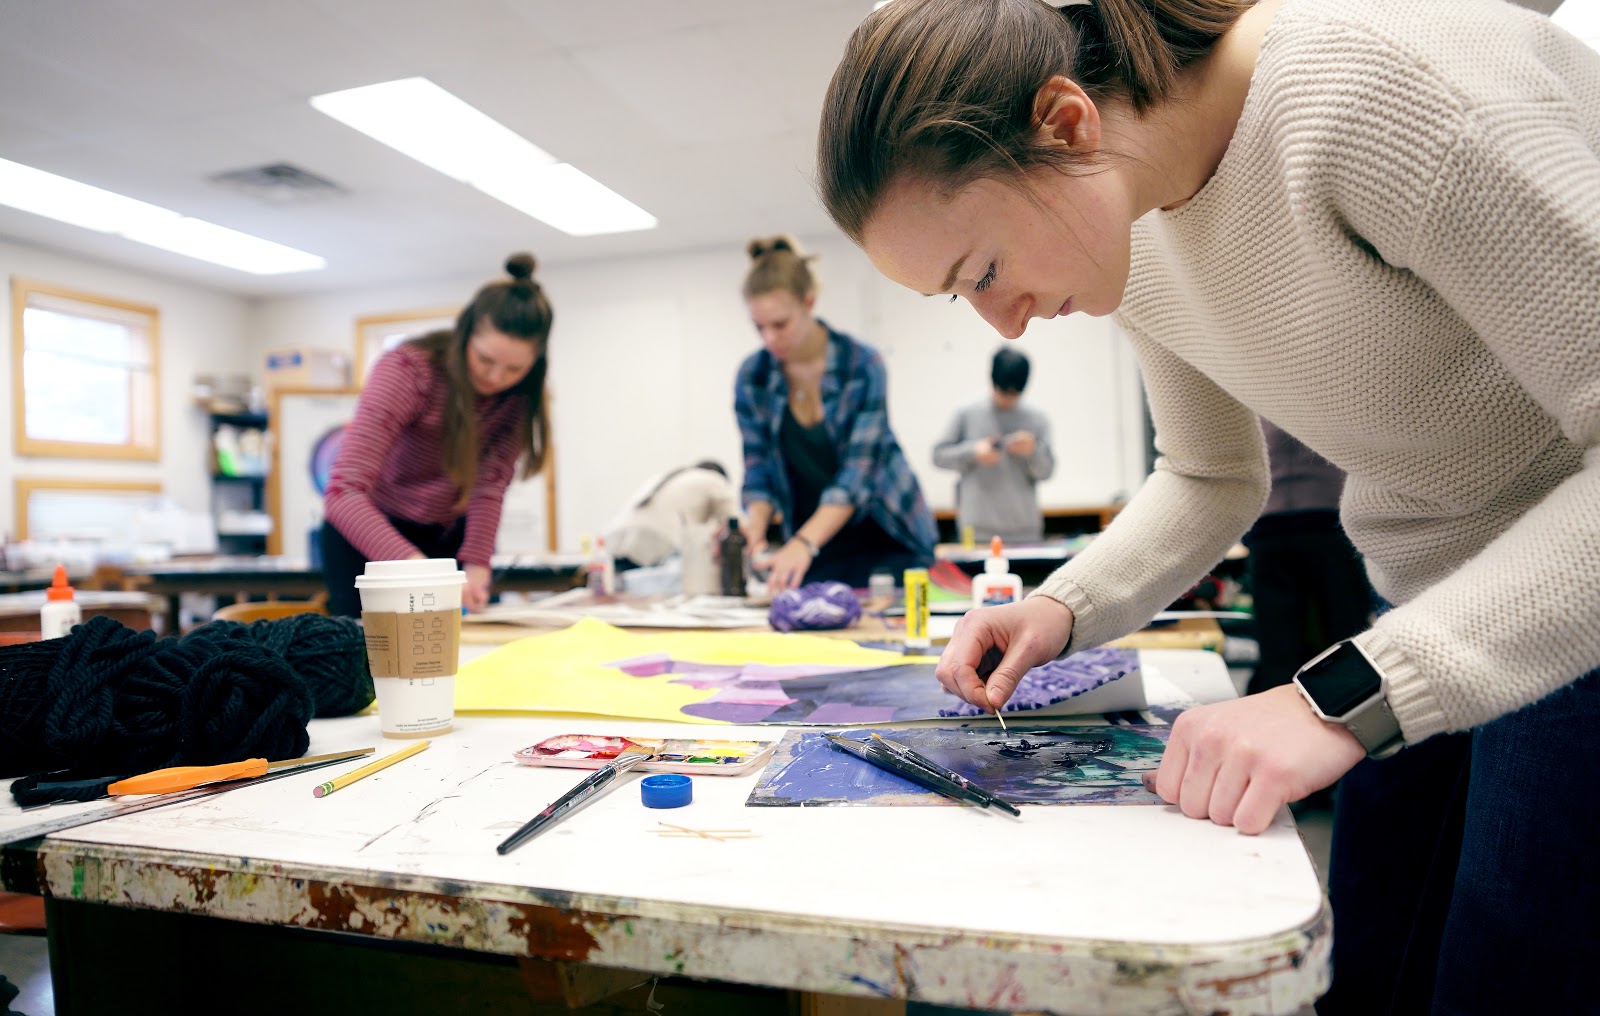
279,184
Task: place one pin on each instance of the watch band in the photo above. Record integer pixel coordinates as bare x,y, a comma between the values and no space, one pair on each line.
1372,721
1376,728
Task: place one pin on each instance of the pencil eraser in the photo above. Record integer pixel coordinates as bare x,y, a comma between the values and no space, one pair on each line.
666,790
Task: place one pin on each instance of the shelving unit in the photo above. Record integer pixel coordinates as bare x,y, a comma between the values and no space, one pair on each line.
236,496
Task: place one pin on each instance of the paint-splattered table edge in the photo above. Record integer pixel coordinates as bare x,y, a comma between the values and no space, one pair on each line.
1274,975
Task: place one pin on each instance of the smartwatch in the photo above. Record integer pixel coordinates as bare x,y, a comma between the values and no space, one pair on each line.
1343,685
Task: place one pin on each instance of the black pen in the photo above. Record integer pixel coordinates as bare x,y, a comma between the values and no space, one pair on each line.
911,755
591,785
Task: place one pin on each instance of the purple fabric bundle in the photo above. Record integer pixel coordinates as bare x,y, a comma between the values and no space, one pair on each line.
815,606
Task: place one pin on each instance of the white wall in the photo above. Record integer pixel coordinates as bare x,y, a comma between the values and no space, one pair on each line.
201,331
644,352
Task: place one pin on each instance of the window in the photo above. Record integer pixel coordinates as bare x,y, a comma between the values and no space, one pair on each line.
107,511
85,375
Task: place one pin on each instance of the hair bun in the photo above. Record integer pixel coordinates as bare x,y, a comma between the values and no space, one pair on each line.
769,244
520,266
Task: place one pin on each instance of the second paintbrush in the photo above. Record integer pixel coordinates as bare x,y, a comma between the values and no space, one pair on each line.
920,774
915,758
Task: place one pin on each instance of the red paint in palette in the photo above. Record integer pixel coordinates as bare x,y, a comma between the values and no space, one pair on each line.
687,755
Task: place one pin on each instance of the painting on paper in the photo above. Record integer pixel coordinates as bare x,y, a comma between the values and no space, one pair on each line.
1036,765
844,696
595,669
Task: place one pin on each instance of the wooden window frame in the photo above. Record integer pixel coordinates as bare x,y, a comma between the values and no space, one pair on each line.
397,318
27,486
21,290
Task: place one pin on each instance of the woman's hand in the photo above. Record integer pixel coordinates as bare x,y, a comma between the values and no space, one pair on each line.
1238,762
787,568
998,645
755,540
475,594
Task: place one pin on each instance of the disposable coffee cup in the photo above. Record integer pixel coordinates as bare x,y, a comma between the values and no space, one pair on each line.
411,611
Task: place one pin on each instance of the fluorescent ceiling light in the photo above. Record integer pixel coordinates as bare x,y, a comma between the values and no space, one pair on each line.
416,117
1581,18
79,204
565,197
209,242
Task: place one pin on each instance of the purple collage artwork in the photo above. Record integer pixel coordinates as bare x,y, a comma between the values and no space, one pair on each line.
800,694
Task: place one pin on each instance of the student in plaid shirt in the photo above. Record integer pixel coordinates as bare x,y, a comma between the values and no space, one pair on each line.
818,450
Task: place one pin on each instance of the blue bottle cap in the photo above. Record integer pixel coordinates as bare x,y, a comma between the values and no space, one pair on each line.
666,790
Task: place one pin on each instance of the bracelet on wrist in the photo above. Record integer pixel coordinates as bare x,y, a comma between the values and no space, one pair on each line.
807,544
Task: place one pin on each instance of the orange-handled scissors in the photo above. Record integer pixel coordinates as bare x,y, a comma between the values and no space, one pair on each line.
167,781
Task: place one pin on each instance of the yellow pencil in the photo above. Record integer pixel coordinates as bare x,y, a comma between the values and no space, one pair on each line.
324,789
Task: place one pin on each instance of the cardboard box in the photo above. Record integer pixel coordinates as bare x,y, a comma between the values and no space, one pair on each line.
307,368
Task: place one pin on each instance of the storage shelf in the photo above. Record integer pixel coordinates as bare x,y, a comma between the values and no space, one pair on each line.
257,421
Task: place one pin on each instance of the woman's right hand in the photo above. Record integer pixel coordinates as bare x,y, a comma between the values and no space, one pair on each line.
787,568
992,648
755,541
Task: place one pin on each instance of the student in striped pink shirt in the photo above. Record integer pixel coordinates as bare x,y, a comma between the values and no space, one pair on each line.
436,438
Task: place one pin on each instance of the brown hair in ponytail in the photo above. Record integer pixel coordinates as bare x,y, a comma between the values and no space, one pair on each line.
517,308
944,89
777,265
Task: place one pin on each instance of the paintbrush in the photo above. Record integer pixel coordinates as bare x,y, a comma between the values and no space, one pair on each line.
587,788
916,758
986,666
920,775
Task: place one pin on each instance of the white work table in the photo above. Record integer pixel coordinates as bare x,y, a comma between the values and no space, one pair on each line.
1070,909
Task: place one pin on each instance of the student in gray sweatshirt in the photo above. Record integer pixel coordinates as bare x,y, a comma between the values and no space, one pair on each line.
1002,450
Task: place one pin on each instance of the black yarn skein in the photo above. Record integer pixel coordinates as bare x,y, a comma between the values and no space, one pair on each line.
105,702
108,700
328,653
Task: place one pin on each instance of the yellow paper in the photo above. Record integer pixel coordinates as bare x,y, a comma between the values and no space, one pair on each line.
572,670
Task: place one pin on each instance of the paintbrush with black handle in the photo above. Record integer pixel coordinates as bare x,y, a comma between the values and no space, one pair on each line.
923,777
916,758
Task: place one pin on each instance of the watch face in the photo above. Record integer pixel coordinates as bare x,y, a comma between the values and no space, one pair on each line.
1340,681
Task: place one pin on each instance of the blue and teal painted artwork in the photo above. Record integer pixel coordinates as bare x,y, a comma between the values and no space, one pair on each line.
1036,765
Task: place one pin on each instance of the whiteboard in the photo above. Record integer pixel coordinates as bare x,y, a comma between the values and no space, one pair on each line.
300,419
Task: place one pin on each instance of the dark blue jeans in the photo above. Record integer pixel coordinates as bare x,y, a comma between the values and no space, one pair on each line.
1465,871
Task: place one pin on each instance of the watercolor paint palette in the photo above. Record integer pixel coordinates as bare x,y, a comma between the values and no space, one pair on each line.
691,756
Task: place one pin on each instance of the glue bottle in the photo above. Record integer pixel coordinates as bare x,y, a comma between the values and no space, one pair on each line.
60,611
601,570
998,584
731,552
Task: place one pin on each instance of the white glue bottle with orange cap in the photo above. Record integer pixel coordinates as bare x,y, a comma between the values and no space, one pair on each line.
60,611
998,584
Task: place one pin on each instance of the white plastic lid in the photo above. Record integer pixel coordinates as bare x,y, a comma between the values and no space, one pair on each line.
996,565
430,571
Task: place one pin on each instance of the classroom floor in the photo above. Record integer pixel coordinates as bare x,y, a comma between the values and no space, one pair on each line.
25,963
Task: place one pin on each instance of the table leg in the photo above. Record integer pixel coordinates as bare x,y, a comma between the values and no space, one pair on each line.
812,1003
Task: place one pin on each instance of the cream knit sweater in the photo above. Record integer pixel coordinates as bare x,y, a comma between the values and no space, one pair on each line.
1398,262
